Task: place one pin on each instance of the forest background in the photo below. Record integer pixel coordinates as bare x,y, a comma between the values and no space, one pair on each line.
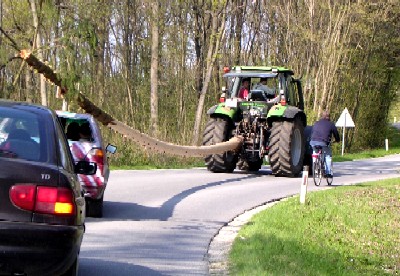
157,65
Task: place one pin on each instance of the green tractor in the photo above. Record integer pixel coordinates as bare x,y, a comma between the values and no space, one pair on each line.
270,121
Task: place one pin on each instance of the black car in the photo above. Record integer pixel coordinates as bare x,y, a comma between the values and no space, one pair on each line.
42,206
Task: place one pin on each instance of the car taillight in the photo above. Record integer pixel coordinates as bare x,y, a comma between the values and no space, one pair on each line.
41,199
23,196
51,200
98,155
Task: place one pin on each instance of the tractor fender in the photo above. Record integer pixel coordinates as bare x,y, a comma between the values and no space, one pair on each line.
291,112
217,112
220,110
279,112
212,109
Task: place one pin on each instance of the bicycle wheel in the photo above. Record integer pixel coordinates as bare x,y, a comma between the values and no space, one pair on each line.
329,179
317,172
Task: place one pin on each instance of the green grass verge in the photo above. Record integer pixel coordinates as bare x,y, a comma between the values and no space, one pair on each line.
365,154
393,136
349,230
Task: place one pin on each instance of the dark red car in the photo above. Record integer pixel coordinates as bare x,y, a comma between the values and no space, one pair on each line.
42,205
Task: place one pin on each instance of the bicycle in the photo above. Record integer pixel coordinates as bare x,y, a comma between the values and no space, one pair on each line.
319,167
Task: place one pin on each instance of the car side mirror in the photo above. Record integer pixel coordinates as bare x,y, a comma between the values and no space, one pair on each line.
111,148
85,167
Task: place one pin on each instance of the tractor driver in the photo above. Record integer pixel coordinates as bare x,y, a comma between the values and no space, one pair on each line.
269,92
262,85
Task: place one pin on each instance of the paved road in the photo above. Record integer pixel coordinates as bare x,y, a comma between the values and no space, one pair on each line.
160,222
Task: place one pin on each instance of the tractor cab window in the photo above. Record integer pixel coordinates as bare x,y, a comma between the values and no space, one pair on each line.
234,84
297,93
290,98
267,86
291,94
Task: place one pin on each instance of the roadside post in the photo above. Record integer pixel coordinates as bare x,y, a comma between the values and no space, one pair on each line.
344,121
304,183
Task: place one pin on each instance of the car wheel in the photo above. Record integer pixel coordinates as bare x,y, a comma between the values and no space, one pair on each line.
94,208
73,269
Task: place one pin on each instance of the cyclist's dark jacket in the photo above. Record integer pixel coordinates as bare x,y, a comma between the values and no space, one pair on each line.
323,130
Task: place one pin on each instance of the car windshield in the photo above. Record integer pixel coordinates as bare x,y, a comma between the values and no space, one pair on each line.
20,135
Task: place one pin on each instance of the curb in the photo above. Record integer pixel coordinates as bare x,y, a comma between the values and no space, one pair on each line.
221,243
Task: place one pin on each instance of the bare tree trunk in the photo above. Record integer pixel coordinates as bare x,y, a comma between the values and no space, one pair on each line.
238,15
28,86
128,57
213,48
102,33
37,44
154,70
199,39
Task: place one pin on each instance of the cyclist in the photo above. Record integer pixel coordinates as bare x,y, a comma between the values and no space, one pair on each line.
321,135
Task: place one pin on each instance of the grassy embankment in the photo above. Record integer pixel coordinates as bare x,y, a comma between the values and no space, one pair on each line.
351,230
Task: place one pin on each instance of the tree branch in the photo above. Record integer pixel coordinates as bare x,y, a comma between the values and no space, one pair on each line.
13,43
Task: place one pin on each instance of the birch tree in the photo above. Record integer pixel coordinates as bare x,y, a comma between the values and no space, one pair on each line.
154,68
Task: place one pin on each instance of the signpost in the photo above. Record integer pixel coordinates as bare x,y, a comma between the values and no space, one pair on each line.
344,121
304,183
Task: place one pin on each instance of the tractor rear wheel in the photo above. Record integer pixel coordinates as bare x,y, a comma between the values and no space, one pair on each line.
287,147
218,130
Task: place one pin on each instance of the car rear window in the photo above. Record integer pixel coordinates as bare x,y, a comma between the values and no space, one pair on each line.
21,136
77,129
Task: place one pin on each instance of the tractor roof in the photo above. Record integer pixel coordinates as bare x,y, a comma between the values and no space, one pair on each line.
256,71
